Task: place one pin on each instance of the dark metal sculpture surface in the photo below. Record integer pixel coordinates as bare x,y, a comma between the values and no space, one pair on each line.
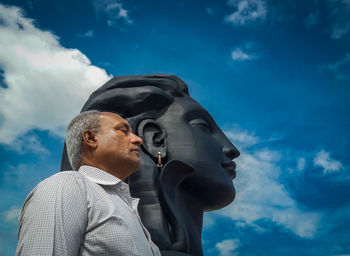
198,169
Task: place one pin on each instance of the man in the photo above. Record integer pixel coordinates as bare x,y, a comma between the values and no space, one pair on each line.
88,211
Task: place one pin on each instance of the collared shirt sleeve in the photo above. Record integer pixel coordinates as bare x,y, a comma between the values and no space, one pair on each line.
54,217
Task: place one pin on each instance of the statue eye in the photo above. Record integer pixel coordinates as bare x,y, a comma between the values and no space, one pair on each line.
200,123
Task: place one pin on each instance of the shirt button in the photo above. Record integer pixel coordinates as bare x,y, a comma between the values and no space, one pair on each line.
122,187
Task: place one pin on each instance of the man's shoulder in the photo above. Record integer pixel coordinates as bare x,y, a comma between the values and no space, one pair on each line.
67,181
63,175
60,177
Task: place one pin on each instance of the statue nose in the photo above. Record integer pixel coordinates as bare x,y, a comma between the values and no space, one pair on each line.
231,152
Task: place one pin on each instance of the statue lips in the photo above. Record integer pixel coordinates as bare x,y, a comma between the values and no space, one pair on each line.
230,166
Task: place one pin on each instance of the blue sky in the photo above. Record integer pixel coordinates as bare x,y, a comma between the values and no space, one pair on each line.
275,75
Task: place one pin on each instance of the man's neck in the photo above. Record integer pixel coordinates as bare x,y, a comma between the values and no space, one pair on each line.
102,167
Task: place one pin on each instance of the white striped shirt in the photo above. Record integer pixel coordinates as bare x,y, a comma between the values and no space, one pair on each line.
89,212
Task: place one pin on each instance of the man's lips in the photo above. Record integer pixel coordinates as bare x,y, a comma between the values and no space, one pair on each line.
135,150
230,166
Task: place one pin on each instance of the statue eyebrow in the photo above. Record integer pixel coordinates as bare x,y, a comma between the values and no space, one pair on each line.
198,113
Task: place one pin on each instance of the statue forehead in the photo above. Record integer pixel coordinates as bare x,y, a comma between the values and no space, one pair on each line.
187,108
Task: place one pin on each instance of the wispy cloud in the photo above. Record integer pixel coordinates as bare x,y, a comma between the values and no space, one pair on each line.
328,164
246,11
313,19
228,247
246,52
45,83
242,138
89,33
340,30
117,12
338,222
114,11
238,55
11,215
28,144
262,196
253,12
340,69
339,12
335,15
209,10
301,164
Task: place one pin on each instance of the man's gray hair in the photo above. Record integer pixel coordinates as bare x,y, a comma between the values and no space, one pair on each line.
89,120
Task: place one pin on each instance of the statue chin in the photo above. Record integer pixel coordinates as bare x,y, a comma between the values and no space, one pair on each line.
212,192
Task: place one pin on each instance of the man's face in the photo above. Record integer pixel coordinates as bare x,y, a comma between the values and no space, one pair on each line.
195,139
117,147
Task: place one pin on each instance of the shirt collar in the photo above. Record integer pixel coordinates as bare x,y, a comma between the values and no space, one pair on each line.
98,176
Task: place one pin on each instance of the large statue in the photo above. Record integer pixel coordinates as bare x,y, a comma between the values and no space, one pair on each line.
194,157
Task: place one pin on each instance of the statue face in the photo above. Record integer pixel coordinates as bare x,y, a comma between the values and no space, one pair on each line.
194,138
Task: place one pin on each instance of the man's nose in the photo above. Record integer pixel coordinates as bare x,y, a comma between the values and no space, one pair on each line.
136,140
231,152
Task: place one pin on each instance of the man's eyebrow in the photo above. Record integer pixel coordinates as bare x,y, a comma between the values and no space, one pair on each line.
123,125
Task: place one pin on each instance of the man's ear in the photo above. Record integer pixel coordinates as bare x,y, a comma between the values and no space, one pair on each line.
154,138
90,139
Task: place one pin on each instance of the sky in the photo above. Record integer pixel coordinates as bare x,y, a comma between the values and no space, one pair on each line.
275,75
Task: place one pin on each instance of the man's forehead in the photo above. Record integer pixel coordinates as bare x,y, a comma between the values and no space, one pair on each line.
104,116
110,114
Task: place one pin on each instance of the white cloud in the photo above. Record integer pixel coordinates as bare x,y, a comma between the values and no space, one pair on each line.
114,11
301,164
328,164
247,11
28,143
246,52
238,55
208,220
241,138
11,215
262,196
47,84
227,247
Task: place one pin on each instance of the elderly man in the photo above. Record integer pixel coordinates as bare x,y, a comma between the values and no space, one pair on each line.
88,211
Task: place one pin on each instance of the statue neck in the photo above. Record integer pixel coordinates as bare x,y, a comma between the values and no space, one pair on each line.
191,213
180,208
186,210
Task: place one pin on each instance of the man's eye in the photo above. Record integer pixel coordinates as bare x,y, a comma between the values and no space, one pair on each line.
200,123
125,131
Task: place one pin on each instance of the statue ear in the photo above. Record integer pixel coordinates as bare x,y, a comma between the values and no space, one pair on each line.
154,138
